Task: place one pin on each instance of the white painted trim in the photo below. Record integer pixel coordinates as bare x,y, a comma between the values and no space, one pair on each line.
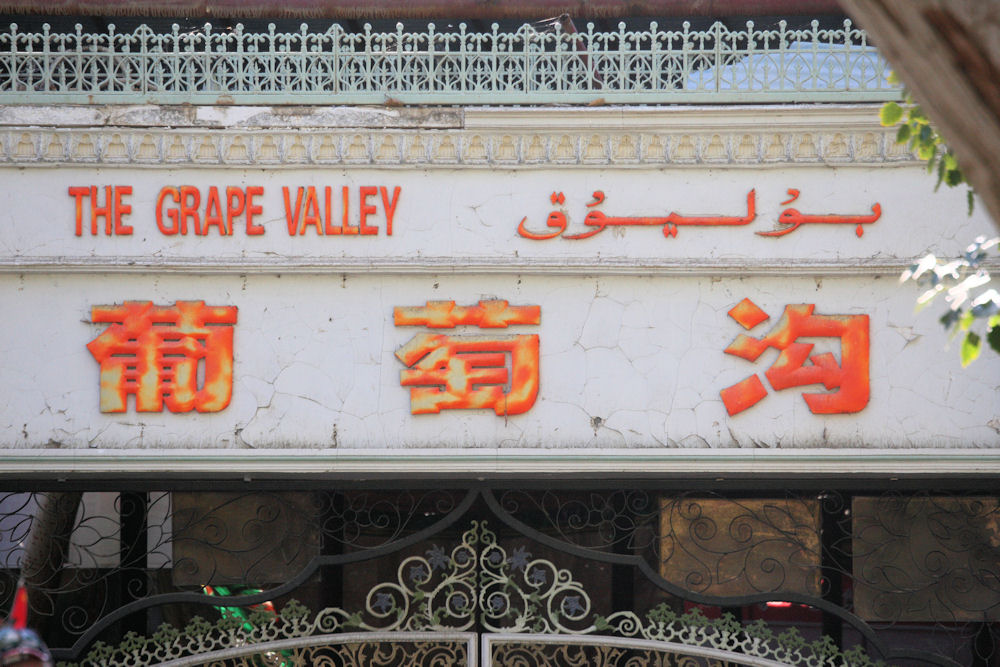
719,117
493,462
773,117
450,265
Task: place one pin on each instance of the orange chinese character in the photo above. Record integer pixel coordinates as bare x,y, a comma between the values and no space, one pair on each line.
154,352
850,378
449,372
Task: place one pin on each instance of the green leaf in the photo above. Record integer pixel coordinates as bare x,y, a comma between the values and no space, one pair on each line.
993,337
890,114
894,79
949,318
971,347
926,134
902,134
971,199
954,177
965,320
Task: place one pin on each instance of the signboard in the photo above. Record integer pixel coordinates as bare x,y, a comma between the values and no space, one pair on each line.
370,309
843,219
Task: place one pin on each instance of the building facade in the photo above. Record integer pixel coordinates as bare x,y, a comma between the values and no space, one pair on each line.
482,343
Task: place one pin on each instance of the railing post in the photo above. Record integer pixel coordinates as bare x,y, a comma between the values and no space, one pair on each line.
463,77
303,58
46,65
175,57
493,74
335,54
847,54
718,60
369,63
207,58
560,41
432,83
143,56
272,58
813,69
398,61
528,69
782,53
239,76
622,48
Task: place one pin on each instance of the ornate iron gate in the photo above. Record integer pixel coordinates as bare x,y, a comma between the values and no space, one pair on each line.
523,577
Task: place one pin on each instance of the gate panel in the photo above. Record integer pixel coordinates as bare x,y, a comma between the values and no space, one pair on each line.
506,650
354,649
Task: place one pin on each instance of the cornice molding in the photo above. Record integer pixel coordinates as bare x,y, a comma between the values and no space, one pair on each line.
490,138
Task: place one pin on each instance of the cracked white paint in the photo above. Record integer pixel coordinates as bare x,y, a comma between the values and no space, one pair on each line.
639,366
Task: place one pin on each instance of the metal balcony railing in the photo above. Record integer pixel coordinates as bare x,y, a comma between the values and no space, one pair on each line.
526,66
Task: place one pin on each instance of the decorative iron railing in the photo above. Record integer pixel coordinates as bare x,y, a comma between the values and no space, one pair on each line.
526,66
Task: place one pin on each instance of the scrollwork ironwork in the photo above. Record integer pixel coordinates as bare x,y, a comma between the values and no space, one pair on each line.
605,520
371,519
501,593
729,547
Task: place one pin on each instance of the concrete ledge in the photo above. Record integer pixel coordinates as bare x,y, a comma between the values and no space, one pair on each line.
488,463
